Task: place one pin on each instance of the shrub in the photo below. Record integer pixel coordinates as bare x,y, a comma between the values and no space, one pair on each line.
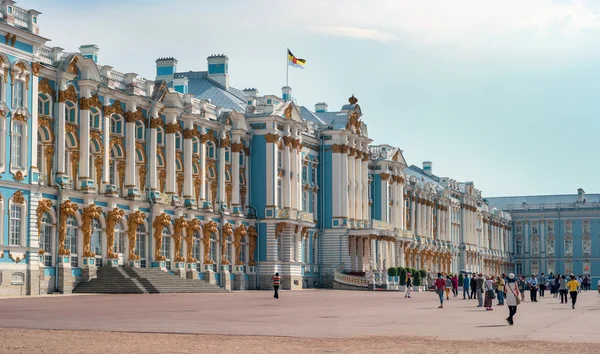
461,279
399,270
403,273
392,271
423,274
417,279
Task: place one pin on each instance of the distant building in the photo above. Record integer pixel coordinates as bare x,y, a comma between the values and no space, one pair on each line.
555,233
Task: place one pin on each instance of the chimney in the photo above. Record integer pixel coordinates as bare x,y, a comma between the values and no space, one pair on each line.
580,195
321,107
427,168
286,93
218,69
89,51
166,68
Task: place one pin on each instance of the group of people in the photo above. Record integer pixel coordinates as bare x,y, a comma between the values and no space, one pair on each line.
559,285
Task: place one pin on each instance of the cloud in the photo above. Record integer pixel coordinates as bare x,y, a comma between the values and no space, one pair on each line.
356,33
566,18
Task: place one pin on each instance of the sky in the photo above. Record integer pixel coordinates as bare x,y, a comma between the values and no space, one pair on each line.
499,92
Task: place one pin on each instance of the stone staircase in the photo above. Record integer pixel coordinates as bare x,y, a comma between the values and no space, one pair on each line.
126,280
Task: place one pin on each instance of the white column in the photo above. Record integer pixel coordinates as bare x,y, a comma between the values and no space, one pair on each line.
170,155
221,196
130,174
413,206
287,165
33,137
293,173
352,240
60,137
344,181
106,142
188,151
359,186
352,183
384,204
364,170
236,147
152,168
202,169
84,129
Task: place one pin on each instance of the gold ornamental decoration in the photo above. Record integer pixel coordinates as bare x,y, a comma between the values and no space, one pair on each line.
193,226
337,148
208,229
72,68
74,165
279,229
114,216
49,154
237,147
18,198
68,95
304,232
227,232
18,176
228,190
98,163
240,232
287,113
162,177
384,176
35,68
243,197
156,122
287,141
180,180
121,169
197,185
172,128
271,138
224,142
160,222
188,133
180,225
88,215
143,170
44,206
213,191
67,208
133,220
19,117
252,238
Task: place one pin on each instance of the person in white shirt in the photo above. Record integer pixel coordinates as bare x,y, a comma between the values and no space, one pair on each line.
598,286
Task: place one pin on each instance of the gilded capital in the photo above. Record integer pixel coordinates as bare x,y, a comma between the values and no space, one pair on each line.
271,138
237,147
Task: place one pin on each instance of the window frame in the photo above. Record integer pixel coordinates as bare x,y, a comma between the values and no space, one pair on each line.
23,137
23,95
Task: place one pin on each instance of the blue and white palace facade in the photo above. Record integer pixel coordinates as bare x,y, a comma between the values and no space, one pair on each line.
555,233
102,168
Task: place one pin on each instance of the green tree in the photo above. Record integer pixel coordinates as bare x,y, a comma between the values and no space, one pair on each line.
423,274
392,271
403,273
461,279
417,279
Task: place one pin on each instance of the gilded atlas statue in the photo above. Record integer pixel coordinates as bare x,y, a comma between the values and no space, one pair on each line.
192,227
252,238
227,232
160,222
67,208
134,219
114,216
88,215
240,232
180,225
208,229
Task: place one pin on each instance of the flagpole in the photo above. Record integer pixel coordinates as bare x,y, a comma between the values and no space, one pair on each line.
287,67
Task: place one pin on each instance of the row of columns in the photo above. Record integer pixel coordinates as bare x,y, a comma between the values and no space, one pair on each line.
366,249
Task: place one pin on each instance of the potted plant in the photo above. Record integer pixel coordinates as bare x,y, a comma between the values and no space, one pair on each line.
417,282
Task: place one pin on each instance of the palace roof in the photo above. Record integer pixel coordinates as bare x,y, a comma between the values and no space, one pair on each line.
204,88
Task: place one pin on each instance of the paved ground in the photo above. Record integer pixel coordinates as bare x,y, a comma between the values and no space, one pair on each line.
319,320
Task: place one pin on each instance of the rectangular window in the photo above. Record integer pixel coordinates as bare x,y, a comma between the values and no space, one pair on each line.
313,175
17,145
304,173
15,225
279,194
519,268
18,94
140,246
165,251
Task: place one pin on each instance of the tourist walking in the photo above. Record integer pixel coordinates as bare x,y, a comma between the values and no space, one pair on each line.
408,286
448,286
512,297
440,284
533,284
598,286
466,285
562,289
542,282
574,286
473,286
489,293
580,281
455,285
479,285
276,282
555,285
500,290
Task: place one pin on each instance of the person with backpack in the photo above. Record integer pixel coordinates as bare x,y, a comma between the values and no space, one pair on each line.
512,297
466,285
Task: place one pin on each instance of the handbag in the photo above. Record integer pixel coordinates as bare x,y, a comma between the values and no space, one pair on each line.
515,295
439,291
490,293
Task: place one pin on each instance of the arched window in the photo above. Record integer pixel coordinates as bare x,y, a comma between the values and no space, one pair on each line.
139,130
210,147
119,245
227,154
94,118
16,218
17,278
178,141
243,250
140,244
242,158
228,250
96,241
550,245
71,240
196,145
196,246
313,175
44,105
70,112
587,245
568,245
165,250
213,247
116,124
46,239
18,94
17,146
160,136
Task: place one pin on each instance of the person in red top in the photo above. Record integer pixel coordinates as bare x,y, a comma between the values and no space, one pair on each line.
440,283
276,282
